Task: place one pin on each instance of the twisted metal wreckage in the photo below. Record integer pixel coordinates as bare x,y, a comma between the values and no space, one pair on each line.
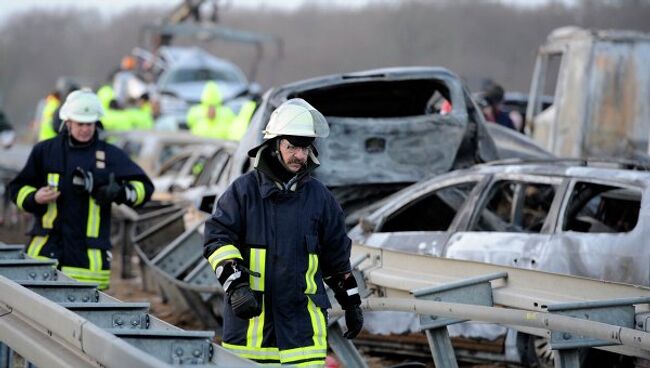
55,322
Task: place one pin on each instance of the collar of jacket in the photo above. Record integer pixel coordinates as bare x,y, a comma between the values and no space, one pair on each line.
74,144
269,181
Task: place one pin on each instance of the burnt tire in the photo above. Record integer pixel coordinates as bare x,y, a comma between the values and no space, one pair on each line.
538,353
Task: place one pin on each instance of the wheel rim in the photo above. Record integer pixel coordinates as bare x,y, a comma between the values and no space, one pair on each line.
545,356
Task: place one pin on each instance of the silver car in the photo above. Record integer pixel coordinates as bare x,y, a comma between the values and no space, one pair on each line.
187,71
565,217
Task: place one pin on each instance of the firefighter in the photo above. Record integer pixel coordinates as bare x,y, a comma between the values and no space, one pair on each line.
69,183
276,234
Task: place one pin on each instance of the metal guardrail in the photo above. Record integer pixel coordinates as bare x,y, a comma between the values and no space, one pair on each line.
128,221
613,315
529,301
53,321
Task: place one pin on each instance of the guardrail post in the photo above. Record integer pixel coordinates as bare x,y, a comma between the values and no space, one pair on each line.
475,291
127,249
567,358
344,348
618,312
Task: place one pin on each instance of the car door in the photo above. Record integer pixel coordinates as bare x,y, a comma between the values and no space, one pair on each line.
420,221
601,232
510,223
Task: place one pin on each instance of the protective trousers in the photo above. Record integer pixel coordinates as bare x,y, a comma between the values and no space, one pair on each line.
93,265
262,333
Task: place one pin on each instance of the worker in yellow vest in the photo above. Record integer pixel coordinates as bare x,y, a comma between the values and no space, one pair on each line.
240,124
52,103
140,113
49,122
211,118
105,94
116,119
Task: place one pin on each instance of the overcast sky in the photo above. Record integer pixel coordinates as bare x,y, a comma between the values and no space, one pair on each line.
112,7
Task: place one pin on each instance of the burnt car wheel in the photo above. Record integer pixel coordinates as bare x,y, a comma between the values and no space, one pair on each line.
540,353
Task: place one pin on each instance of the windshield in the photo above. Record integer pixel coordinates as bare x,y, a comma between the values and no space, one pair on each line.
201,74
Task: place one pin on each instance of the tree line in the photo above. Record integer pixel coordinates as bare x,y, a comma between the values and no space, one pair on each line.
476,40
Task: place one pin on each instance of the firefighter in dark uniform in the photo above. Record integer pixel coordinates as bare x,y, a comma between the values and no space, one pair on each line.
69,183
276,234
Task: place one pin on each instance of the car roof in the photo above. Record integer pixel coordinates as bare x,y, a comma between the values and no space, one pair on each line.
194,57
611,170
559,168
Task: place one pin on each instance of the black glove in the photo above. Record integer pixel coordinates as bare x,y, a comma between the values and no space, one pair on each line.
346,292
242,300
111,192
354,322
82,180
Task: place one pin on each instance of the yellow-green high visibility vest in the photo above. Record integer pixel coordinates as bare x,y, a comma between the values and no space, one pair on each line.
46,128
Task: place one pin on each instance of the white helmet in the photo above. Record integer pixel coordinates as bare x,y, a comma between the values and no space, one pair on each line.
298,118
82,106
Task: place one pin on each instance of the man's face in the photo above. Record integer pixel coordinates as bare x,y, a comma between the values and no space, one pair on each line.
294,157
212,112
82,132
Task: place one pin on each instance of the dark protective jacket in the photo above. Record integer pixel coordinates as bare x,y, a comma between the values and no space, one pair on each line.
293,238
75,222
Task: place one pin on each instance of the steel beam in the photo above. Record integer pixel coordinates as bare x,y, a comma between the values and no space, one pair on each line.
513,317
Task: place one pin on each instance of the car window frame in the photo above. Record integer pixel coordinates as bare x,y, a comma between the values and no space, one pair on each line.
571,182
424,190
551,218
184,156
223,157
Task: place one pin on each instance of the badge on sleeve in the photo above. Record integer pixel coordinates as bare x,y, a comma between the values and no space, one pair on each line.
101,159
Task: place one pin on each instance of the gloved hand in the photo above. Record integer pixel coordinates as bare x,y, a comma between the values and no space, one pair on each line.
82,180
346,292
111,192
354,322
242,300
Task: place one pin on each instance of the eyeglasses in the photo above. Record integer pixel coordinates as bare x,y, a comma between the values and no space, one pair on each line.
294,149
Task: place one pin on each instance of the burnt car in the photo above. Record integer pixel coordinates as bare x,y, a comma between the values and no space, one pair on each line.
150,149
581,218
389,128
194,166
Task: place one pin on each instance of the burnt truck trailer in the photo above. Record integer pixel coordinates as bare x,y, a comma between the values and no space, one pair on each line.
600,81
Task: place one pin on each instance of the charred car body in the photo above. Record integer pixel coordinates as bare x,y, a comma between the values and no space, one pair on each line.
579,220
565,218
388,129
